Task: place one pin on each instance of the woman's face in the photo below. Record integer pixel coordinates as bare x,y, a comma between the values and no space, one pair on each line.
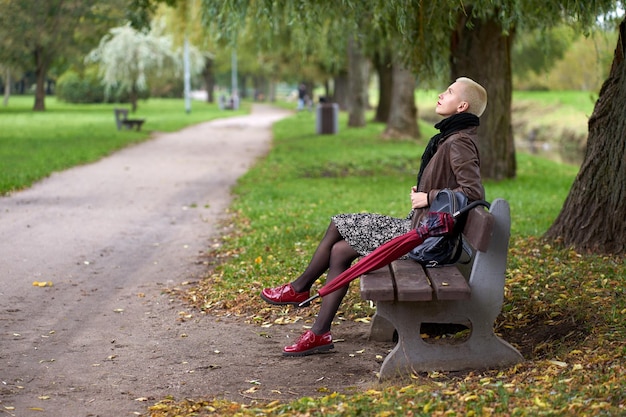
450,101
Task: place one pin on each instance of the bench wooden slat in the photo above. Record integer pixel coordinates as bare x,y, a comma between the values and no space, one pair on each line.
479,228
378,285
448,283
411,282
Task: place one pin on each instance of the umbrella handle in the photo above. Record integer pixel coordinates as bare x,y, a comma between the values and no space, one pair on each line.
470,206
308,300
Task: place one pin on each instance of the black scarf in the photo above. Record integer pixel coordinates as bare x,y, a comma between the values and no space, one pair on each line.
446,127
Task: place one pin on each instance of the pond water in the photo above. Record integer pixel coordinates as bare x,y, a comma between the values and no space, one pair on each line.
554,152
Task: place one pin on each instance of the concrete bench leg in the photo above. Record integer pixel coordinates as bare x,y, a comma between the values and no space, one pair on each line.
381,330
482,350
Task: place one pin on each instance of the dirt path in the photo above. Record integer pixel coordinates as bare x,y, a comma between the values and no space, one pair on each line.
104,339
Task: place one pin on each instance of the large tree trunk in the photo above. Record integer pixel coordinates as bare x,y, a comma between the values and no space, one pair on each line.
133,97
41,71
383,65
7,87
340,93
209,80
403,112
357,84
593,217
327,93
242,89
483,53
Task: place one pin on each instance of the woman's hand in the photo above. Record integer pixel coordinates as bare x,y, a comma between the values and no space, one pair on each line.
418,199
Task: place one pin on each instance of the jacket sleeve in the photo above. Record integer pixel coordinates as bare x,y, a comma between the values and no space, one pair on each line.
465,164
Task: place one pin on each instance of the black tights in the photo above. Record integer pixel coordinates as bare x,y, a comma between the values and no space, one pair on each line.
335,255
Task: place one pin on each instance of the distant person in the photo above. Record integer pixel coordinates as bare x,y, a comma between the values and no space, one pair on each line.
234,101
302,96
450,160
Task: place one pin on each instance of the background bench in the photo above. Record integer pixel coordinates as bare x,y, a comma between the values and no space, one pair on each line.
122,120
470,294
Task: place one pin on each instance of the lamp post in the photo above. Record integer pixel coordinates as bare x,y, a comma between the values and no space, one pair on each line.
187,76
233,82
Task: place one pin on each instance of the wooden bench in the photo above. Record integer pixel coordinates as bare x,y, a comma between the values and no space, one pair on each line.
469,293
122,120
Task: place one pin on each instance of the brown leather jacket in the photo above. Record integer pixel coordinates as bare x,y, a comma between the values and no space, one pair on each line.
455,165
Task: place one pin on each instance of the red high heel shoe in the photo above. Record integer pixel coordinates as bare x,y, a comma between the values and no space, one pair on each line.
283,295
309,343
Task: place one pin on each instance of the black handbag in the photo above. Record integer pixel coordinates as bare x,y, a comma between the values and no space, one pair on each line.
443,250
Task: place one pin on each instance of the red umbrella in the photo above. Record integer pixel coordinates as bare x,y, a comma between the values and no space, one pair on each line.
435,224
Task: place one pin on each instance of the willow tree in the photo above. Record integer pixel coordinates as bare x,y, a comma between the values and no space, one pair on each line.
127,58
402,120
463,38
474,39
184,22
592,217
397,79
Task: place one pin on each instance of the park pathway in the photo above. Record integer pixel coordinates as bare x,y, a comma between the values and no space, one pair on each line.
109,236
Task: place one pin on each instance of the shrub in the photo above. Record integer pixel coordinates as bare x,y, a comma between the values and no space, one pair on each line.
73,87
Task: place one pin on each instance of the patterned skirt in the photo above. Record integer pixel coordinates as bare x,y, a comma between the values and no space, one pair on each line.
364,232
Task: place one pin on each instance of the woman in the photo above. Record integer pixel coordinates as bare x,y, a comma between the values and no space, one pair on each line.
450,160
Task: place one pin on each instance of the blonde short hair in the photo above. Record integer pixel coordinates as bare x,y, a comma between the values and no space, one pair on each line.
475,95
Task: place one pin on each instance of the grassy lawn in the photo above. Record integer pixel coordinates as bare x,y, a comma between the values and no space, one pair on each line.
564,310
35,144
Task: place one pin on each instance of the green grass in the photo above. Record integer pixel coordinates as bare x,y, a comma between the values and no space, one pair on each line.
35,144
570,101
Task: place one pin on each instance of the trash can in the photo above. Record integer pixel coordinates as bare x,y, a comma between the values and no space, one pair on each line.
327,120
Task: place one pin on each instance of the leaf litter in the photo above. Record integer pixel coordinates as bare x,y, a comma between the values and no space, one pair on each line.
563,310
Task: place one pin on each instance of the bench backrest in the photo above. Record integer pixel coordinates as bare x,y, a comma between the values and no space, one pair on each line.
120,116
479,228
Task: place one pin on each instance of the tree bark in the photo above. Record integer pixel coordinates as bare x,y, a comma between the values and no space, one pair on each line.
403,111
7,87
593,217
327,93
383,66
483,53
340,93
357,84
133,97
209,80
41,71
